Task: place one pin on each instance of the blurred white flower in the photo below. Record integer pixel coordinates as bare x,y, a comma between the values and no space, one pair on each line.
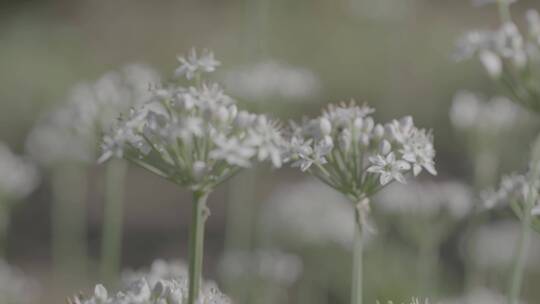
163,291
494,246
471,112
194,136
19,176
478,296
159,270
193,64
491,62
306,213
71,131
388,167
346,149
15,287
515,190
271,81
428,199
268,265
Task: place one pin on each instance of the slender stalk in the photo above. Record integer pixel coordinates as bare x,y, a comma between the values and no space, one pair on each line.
504,11
239,234
4,227
520,258
356,292
427,264
196,244
111,243
69,222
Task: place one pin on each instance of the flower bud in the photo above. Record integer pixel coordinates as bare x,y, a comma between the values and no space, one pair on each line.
325,126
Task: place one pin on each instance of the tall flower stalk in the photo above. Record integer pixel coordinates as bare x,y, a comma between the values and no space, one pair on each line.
195,137
347,150
522,192
111,247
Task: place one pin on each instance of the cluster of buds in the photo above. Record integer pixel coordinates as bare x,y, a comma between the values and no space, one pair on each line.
163,291
194,135
347,150
510,56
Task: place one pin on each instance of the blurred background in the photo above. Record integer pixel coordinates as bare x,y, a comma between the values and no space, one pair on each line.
396,55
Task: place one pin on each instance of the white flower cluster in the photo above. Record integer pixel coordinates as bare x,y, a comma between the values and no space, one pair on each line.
516,190
346,149
509,55
159,270
195,135
269,80
19,176
163,291
269,265
307,214
71,131
15,287
471,112
428,199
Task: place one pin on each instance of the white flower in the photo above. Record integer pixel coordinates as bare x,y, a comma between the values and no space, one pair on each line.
388,167
233,151
159,270
19,176
428,199
71,131
491,62
172,291
479,296
472,112
193,64
271,80
349,148
194,136
269,265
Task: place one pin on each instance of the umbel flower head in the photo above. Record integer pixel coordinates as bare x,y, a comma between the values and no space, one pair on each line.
164,291
348,150
193,135
71,131
509,55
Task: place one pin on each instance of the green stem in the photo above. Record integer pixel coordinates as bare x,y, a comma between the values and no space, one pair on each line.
504,11
356,292
69,222
111,243
520,258
427,265
5,220
196,244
